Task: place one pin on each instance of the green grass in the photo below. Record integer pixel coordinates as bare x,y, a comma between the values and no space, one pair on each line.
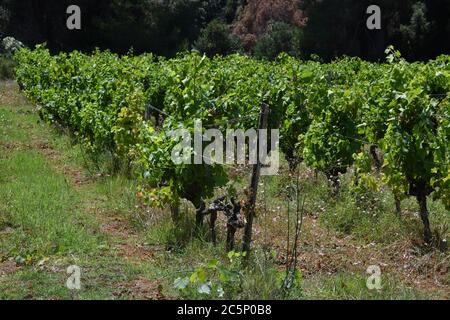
38,202
44,222
43,210
353,287
100,279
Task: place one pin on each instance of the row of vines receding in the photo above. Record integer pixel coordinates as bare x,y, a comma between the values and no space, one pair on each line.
389,123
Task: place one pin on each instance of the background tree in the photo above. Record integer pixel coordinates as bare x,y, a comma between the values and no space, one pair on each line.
216,38
4,19
330,28
281,37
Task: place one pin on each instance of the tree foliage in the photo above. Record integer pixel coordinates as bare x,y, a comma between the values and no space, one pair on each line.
216,38
329,28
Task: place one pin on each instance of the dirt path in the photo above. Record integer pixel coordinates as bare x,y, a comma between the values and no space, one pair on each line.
324,252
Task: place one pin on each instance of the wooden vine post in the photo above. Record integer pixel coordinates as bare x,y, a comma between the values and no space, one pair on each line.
253,192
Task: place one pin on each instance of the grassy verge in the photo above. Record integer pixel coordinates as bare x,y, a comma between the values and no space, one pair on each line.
47,213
